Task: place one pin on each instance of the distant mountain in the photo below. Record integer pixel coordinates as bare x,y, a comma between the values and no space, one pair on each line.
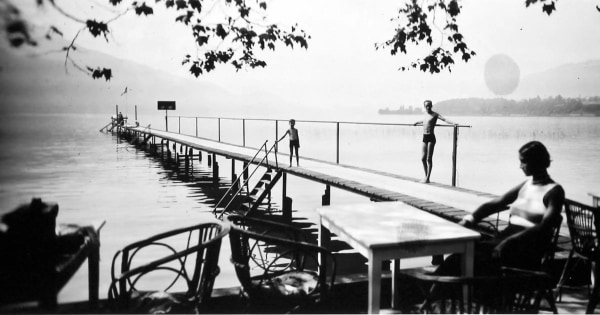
570,89
41,84
569,80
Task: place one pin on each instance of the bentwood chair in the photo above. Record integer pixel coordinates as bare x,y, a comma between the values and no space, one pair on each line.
171,272
512,291
278,271
584,223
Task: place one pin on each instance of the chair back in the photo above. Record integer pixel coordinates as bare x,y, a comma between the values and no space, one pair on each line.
583,222
182,260
264,251
512,291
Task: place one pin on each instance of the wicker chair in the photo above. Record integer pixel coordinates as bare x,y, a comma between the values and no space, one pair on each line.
513,291
279,272
183,261
584,223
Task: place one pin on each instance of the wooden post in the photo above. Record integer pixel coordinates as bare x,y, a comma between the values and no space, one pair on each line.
324,233
187,160
337,144
219,131
276,135
245,173
94,272
326,198
215,170
454,147
196,126
243,132
233,176
286,201
179,124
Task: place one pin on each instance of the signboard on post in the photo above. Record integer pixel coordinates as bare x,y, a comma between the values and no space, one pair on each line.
166,105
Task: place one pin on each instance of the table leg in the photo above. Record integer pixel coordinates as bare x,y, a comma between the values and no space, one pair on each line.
395,283
324,239
94,274
374,284
467,259
467,263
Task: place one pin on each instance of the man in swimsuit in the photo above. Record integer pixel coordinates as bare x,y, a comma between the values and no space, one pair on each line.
429,122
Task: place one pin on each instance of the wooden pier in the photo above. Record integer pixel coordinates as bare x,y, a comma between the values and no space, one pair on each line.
446,201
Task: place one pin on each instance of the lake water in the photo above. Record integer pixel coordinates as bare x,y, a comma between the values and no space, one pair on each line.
95,176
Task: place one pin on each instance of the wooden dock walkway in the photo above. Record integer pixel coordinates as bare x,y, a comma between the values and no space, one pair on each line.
447,201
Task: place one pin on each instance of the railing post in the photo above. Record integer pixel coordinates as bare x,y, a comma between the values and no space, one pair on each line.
276,135
337,144
196,126
136,113
179,123
454,147
219,128
244,132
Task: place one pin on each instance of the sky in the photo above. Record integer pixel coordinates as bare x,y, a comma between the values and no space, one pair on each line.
341,70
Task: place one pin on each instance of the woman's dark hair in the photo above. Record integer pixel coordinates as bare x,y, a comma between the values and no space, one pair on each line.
536,154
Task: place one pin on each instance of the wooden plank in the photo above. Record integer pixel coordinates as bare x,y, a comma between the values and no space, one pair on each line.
440,199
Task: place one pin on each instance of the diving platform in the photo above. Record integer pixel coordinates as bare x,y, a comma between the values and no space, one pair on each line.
447,201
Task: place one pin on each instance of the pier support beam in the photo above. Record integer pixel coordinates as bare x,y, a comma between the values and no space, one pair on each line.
233,176
324,233
286,201
326,198
215,169
245,173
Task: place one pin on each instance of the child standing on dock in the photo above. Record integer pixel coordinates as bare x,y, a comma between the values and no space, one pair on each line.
429,122
294,141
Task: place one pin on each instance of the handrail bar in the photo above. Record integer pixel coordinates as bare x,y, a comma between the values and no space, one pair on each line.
337,130
106,126
238,178
260,163
316,121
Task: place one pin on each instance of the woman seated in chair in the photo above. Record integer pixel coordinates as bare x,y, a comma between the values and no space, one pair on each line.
535,208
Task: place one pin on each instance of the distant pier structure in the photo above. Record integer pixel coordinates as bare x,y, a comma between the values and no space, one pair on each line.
262,164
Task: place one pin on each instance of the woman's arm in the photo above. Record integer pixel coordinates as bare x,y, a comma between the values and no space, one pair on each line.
492,206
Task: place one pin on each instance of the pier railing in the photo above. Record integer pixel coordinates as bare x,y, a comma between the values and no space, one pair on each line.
197,125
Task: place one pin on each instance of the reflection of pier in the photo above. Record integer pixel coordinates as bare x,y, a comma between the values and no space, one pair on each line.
446,201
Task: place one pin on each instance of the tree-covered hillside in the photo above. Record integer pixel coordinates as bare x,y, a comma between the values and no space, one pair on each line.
551,106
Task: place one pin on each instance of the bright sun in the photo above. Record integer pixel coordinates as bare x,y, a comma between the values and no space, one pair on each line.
501,74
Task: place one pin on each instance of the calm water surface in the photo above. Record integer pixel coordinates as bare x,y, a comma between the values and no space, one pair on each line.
94,176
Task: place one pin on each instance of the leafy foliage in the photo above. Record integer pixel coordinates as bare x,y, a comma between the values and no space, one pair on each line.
100,72
236,35
233,31
416,22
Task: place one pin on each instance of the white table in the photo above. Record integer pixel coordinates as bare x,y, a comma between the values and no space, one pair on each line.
393,230
595,199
